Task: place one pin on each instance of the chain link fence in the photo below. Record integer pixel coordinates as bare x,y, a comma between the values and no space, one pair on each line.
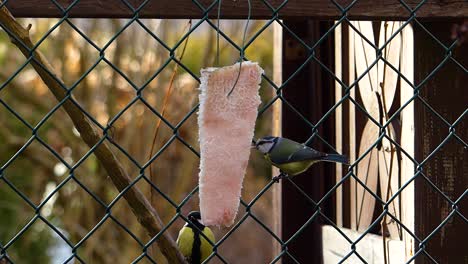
94,155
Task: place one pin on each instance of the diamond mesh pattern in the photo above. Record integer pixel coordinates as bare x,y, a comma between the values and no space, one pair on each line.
29,138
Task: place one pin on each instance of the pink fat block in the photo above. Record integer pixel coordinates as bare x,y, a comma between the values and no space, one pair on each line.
226,128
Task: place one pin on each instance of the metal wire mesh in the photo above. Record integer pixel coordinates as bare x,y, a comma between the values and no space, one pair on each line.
106,133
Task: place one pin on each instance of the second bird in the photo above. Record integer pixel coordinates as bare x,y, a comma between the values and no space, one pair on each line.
192,244
292,157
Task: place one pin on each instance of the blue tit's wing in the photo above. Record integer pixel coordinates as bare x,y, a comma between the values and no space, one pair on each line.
287,151
306,153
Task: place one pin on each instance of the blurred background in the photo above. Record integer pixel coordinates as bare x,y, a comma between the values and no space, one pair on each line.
104,93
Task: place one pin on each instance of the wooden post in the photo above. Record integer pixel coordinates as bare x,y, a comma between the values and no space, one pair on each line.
276,131
311,92
445,92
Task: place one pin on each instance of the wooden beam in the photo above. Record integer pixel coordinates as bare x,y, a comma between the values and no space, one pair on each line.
445,92
321,9
295,207
311,92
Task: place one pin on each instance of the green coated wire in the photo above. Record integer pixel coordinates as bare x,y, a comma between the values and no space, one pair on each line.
107,132
242,49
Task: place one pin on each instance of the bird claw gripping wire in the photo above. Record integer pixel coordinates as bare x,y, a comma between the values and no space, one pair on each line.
281,176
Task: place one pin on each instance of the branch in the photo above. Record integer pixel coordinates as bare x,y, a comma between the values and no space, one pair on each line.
153,194
142,209
165,103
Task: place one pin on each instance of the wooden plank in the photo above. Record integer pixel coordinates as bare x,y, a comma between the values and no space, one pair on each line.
368,167
389,174
336,247
367,172
389,164
339,123
445,92
364,9
365,56
352,128
407,139
387,77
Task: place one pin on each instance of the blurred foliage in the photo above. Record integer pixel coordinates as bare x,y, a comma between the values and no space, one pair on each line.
104,93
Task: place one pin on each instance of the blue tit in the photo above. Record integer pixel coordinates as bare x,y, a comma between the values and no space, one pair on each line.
191,243
293,158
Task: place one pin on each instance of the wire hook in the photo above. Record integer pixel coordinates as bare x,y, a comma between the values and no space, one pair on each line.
242,51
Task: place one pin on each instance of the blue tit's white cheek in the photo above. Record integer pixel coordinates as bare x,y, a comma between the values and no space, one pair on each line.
261,148
265,148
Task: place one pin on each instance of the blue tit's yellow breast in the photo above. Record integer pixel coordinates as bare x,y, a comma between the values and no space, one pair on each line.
185,241
206,247
294,168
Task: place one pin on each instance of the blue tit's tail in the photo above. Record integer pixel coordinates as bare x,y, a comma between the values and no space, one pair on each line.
336,158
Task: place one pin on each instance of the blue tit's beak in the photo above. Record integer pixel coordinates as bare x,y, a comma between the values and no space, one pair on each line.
254,144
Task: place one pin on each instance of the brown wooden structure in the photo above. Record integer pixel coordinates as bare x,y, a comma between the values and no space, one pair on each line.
365,9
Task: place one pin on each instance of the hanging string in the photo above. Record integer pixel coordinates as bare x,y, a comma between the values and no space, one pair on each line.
217,33
242,48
